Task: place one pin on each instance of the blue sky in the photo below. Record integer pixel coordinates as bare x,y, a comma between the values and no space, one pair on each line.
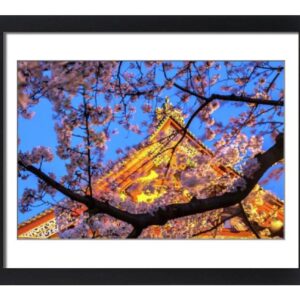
40,131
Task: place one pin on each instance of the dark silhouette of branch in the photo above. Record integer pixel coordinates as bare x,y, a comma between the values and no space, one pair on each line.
246,99
173,211
185,130
135,233
232,97
53,183
162,215
278,69
87,129
272,82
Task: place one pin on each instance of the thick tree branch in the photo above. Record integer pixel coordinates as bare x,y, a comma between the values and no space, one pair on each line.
94,206
265,160
135,233
51,182
163,215
246,99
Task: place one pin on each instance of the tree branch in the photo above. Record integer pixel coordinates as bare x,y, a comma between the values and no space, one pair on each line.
232,97
248,223
59,187
265,160
86,116
185,130
135,233
173,211
246,99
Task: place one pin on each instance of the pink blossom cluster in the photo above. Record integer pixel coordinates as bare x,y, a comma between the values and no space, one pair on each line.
147,108
46,188
255,144
37,155
250,167
228,156
28,198
106,226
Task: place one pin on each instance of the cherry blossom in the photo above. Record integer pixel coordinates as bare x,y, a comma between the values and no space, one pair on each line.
236,108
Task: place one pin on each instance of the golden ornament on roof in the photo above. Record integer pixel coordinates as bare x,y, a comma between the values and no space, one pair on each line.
276,225
168,110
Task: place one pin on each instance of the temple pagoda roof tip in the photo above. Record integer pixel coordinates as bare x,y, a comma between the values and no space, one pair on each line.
167,109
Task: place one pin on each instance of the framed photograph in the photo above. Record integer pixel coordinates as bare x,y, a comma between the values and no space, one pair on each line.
150,150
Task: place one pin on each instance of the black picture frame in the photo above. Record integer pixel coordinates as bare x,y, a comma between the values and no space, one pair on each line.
141,24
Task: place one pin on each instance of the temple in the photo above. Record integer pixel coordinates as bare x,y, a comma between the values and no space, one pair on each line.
262,212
